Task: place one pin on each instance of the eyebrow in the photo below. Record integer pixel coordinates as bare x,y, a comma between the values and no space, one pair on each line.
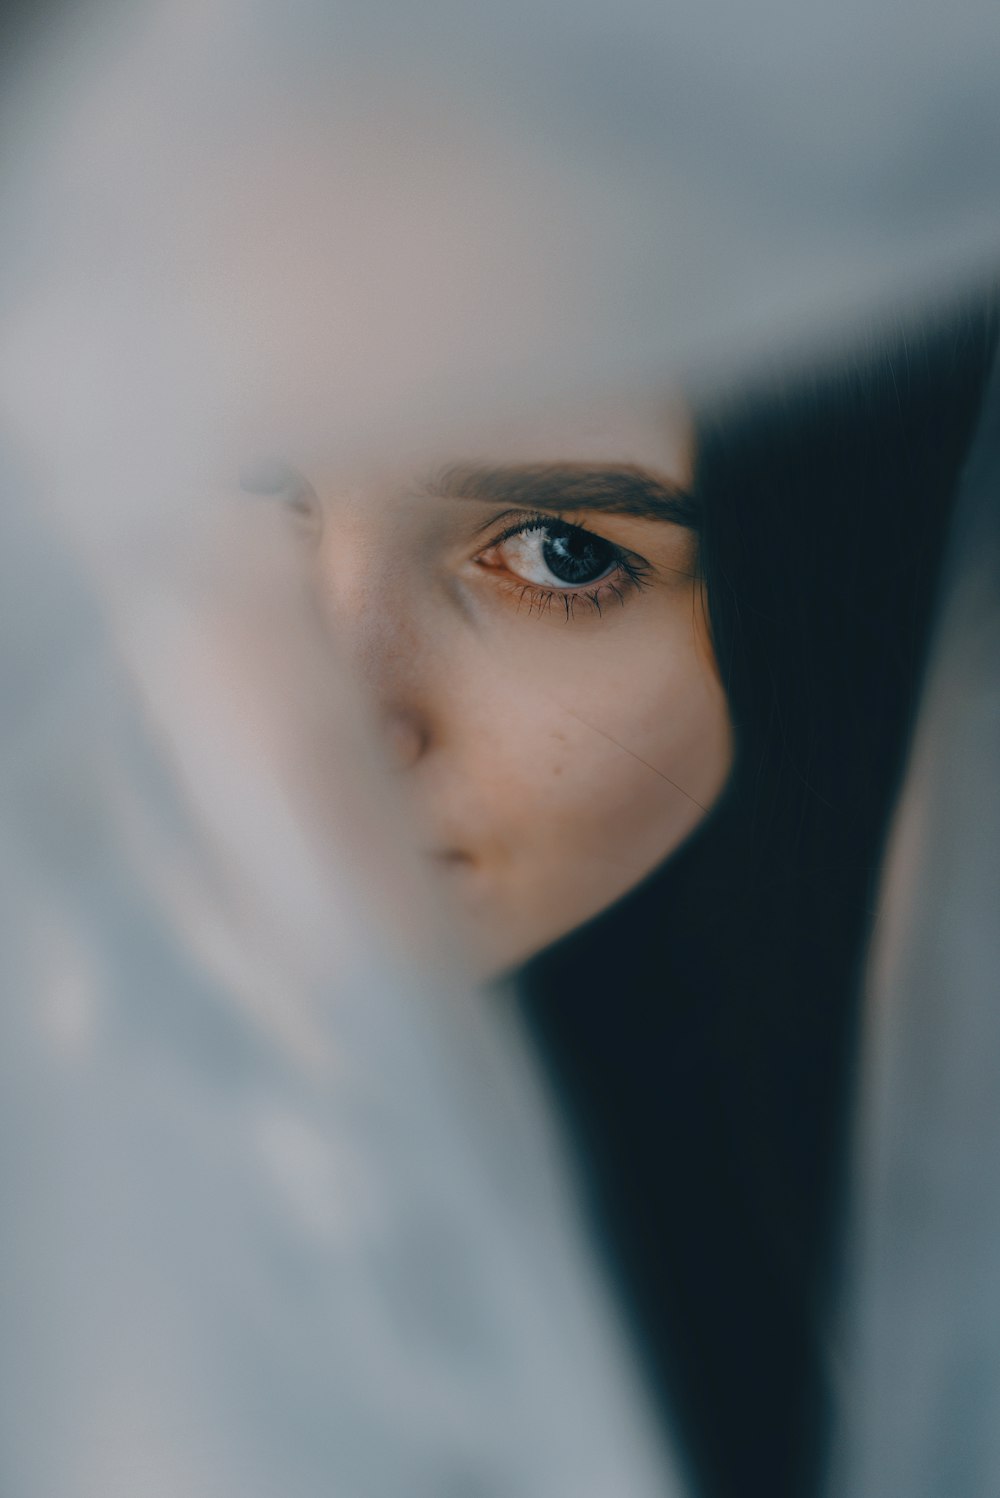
616,489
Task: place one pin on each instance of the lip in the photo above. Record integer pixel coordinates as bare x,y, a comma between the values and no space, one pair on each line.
451,858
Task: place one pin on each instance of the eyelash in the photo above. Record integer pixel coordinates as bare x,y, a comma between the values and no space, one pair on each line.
631,572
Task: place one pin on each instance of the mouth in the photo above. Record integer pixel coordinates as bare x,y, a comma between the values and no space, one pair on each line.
451,858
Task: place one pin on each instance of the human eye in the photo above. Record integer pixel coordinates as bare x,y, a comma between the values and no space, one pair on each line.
543,560
276,479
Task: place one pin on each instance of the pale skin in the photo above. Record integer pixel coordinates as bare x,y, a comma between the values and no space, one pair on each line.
531,628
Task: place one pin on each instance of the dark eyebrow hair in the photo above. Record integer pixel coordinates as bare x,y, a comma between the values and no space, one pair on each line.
616,488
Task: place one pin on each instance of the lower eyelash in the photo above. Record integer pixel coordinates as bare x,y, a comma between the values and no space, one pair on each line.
613,588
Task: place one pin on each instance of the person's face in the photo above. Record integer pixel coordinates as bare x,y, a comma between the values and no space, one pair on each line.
531,626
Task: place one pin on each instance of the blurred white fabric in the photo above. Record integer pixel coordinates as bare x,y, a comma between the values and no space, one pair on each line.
920,1361
323,213
282,1215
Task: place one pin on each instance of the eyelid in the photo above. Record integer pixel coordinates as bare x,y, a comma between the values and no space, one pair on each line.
269,475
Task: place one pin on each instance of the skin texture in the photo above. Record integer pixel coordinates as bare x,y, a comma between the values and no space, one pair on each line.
556,743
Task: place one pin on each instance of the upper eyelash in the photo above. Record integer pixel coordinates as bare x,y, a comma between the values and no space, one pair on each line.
541,522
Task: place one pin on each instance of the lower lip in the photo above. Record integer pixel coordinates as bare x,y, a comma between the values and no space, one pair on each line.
466,878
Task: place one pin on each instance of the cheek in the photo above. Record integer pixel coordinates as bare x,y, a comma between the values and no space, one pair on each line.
636,775
602,766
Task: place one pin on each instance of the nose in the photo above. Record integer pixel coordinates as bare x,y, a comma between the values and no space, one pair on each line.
377,627
406,736
375,632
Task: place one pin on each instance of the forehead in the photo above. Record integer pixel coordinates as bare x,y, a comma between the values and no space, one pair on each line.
649,430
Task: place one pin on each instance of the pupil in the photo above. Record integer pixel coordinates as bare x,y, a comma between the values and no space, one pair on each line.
577,557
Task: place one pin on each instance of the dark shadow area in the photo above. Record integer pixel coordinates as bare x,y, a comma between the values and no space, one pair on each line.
702,1032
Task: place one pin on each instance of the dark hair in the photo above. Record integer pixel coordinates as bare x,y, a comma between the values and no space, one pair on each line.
701,1032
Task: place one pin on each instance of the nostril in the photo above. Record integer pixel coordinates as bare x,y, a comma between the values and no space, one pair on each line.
406,739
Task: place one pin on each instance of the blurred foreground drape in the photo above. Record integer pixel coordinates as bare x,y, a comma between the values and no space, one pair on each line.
918,1367
282,1214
